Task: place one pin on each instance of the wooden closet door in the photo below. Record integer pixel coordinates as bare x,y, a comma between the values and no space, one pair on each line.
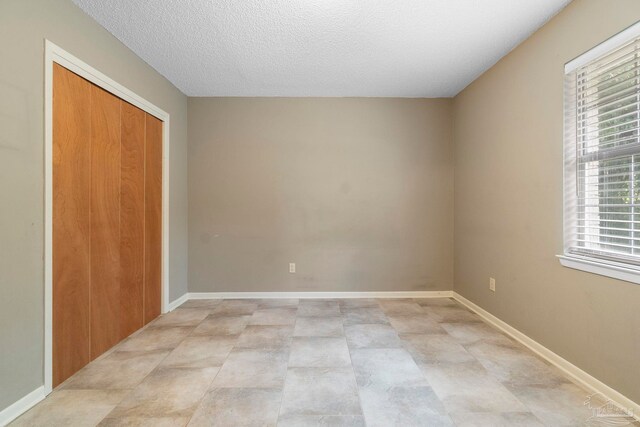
71,223
132,217
105,221
153,219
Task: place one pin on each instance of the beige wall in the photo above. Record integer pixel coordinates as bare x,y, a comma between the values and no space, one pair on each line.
24,24
508,203
358,192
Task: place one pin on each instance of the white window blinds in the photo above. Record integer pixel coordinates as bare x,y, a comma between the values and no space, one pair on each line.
602,153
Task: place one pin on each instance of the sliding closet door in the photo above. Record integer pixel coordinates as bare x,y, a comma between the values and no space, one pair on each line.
132,220
153,218
105,221
71,223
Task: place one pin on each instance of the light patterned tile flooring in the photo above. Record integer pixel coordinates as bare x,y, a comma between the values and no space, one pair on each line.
341,362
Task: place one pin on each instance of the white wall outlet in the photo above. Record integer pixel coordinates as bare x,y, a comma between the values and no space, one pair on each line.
292,267
492,284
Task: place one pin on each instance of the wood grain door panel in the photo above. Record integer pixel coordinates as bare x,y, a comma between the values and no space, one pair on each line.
132,220
105,221
71,223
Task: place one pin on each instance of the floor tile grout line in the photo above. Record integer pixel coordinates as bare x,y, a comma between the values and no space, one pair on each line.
158,366
165,357
115,349
490,374
209,387
364,417
284,382
340,316
446,412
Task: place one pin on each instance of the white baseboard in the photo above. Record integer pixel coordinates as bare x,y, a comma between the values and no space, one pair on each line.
571,370
21,406
178,302
305,295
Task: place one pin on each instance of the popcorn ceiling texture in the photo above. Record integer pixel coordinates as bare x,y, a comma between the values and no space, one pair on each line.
399,48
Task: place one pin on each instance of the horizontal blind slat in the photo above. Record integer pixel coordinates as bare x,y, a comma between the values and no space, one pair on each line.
629,94
609,61
583,90
634,137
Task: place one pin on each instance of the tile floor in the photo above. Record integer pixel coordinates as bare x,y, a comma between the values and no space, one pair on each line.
347,362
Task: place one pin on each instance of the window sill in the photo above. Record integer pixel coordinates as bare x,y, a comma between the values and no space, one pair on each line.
619,272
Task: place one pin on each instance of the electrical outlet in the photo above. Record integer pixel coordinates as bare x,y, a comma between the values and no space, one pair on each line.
292,267
492,284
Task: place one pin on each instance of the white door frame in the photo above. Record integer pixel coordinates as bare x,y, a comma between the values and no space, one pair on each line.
55,54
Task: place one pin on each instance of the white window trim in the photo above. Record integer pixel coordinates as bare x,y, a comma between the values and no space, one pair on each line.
594,265
591,265
606,46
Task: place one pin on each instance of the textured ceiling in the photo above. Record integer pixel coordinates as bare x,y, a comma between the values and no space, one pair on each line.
399,48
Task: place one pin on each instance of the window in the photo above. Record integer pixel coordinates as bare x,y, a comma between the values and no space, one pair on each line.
602,153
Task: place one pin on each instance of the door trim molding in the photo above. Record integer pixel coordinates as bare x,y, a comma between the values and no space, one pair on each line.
55,54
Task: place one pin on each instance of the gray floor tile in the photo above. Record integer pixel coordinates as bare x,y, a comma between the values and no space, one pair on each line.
320,391
117,370
559,405
166,392
278,303
364,315
201,303
435,348
183,317
372,336
253,368
319,327
238,407
402,406
319,352
318,308
514,364
401,307
254,336
467,333
144,422
495,419
468,387
348,303
386,367
71,407
274,316
321,421
235,308
222,325
446,314
150,339
200,352
426,302
415,324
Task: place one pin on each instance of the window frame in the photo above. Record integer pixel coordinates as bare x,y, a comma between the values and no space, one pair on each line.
614,268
